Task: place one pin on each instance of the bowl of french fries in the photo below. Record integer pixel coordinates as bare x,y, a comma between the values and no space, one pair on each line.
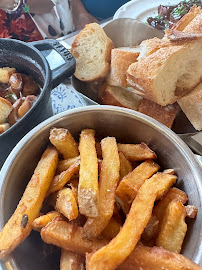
101,187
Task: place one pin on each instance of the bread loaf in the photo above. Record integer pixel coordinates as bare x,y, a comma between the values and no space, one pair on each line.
169,73
117,96
92,51
121,59
164,114
191,104
5,109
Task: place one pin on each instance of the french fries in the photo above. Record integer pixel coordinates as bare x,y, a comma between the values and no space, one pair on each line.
113,254
60,180
173,228
172,194
130,184
71,261
108,180
43,220
156,258
112,229
19,225
70,237
109,220
64,164
125,165
64,142
136,152
66,204
88,193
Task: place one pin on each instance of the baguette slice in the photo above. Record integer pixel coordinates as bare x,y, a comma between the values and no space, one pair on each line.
5,109
92,51
121,59
164,114
188,23
191,104
5,73
169,73
117,96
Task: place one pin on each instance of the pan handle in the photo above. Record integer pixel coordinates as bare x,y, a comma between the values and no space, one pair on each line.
62,66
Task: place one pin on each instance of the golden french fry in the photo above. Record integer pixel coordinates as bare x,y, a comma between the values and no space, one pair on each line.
19,225
130,184
43,220
125,165
88,193
191,211
136,152
156,258
64,164
73,184
112,229
60,180
173,228
108,180
71,261
62,139
70,237
114,253
151,230
161,205
66,204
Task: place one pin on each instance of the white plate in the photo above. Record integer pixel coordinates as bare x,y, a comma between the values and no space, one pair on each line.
142,9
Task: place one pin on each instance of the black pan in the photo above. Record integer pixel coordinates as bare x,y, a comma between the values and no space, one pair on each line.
30,59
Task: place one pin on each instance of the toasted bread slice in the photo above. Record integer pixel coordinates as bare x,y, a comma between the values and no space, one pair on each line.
5,109
191,104
92,51
121,59
169,73
5,73
164,114
117,96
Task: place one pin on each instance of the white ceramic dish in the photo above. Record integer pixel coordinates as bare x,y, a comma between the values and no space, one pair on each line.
142,9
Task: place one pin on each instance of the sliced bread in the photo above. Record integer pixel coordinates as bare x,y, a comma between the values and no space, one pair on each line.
117,96
164,114
191,104
92,51
5,109
169,73
121,59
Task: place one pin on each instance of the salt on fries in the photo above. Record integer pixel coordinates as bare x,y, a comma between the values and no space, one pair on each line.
88,203
88,193
109,177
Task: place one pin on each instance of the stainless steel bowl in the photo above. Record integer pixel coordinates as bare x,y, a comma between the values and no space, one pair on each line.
127,126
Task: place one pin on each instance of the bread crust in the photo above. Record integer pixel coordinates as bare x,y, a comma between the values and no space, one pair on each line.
120,61
117,96
164,114
144,74
191,104
186,19
97,31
